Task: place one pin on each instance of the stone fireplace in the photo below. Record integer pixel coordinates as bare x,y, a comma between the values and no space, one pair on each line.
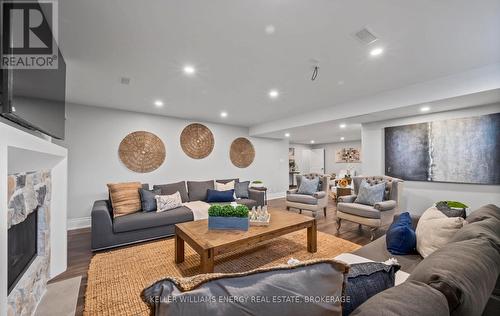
29,260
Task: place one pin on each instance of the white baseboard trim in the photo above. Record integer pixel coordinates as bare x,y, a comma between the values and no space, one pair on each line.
76,223
276,195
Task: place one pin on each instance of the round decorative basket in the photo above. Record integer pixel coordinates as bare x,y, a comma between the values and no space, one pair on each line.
197,141
142,151
242,152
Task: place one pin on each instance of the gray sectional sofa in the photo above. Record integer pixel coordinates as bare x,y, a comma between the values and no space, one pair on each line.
109,232
461,278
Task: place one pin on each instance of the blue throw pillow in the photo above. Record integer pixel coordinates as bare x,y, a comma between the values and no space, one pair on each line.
370,194
308,186
366,280
401,238
148,201
220,196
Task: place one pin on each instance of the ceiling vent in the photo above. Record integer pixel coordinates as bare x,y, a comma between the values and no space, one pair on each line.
365,36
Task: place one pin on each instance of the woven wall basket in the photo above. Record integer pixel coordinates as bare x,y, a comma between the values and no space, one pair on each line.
142,151
197,141
242,152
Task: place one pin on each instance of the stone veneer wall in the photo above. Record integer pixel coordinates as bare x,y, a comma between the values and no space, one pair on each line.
27,192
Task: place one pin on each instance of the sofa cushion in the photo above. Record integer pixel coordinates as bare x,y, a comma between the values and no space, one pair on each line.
408,298
400,237
370,194
302,198
148,201
125,198
489,210
198,189
435,229
220,196
241,189
247,202
359,210
267,284
488,228
377,251
171,188
464,271
366,280
145,220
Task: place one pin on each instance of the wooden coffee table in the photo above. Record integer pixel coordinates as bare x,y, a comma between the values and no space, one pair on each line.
210,243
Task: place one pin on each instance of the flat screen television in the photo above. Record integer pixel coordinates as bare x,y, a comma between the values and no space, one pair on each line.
36,98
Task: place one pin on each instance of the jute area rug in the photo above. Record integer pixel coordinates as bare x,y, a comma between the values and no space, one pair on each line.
116,278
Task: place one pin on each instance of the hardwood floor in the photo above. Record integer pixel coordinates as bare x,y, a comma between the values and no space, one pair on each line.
79,254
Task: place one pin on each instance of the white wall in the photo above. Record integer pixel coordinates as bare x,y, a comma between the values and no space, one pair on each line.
418,196
302,157
94,134
331,166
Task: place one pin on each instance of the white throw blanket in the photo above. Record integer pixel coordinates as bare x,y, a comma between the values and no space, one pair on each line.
199,209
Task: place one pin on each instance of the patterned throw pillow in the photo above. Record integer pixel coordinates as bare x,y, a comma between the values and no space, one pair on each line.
241,190
168,202
370,194
308,186
224,186
125,198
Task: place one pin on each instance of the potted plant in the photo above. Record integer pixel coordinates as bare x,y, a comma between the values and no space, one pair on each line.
459,208
228,217
257,184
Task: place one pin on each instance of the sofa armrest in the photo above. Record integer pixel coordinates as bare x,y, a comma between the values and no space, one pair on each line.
347,198
319,194
292,191
385,205
258,196
102,223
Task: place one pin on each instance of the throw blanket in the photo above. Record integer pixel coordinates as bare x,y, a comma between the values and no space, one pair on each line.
199,209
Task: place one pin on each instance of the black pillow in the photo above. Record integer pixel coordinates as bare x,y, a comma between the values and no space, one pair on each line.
148,201
365,280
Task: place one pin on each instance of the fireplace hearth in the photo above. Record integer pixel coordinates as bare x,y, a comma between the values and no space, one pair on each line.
22,248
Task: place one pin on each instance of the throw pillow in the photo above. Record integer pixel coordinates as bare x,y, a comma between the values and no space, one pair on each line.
125,198
400,237
168,296
168,202
148,201
434,230
365,280
220,196
308,186
224,186
241,189
370,194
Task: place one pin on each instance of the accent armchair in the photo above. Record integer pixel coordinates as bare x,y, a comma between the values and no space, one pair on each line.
314,203
375,216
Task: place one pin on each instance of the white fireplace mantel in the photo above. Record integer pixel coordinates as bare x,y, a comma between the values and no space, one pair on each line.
20,152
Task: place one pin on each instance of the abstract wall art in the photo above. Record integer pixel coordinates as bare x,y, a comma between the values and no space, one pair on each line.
463,150
348,155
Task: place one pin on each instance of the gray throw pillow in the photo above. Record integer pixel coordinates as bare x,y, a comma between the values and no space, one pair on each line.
370,194
148,201
308,186
241,189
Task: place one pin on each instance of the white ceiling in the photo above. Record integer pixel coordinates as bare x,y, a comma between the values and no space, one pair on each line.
330,132
237,62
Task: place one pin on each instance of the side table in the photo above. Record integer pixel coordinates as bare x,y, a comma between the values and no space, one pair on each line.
261,189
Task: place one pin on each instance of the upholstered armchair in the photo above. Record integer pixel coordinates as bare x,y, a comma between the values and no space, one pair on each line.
375,216
315,202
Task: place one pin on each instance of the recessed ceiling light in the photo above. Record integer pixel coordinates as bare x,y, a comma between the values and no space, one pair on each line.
273,94
342,138
376,51
223,114
189,70
270,29
159,103
312,141
425,109
343,125
340,82
287,134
